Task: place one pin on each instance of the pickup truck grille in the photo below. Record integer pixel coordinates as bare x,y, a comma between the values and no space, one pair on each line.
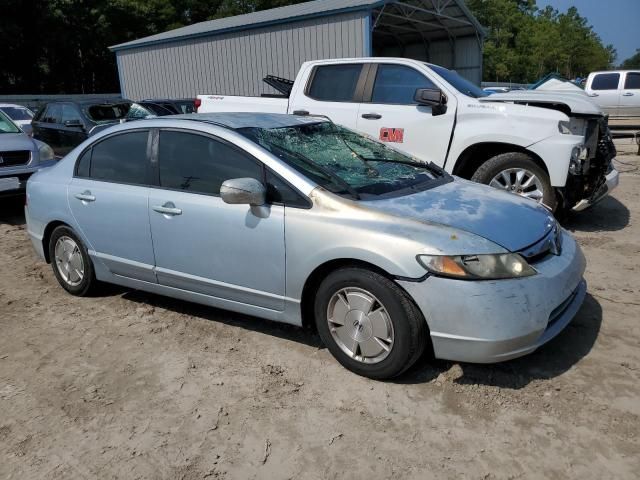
14,158
599,142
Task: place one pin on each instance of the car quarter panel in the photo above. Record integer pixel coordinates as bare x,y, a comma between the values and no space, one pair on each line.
530,128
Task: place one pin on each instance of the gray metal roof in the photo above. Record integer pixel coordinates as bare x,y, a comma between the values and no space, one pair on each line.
273,15
286,14
236,120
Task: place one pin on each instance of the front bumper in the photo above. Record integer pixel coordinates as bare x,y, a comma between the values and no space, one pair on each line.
612,179
23,174
492,321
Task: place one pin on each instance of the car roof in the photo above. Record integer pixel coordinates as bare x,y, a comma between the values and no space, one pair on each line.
168,100
237,120
15,105
92,101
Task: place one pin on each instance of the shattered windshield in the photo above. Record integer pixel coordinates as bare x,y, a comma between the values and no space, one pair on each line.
345,162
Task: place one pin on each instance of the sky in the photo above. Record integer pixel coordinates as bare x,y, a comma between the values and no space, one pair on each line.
617,22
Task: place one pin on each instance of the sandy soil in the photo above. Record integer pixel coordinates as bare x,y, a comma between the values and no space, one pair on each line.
131,385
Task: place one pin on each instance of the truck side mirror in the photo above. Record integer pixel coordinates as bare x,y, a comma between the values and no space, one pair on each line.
431,97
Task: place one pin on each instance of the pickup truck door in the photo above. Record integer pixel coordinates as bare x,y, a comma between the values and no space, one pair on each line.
389,113
629,105
604,90
331,90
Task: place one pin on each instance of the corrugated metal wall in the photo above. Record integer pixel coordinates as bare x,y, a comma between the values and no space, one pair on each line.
235,63
465,57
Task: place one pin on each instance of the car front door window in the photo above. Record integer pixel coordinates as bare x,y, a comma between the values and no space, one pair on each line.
199,164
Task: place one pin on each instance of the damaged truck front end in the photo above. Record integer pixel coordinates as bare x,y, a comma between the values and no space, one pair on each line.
591,174
591,177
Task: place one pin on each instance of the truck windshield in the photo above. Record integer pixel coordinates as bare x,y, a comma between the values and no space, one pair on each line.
461,84
346,162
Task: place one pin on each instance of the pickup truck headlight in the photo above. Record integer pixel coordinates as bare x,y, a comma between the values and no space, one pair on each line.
45,152
478,267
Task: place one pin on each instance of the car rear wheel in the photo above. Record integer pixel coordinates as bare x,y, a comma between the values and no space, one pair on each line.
517,173
368,323
70,261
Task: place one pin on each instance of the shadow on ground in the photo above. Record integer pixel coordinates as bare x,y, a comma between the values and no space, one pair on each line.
246,322
12,210
549,361
607,216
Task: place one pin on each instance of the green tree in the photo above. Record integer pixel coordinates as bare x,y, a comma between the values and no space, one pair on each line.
525,42
632,62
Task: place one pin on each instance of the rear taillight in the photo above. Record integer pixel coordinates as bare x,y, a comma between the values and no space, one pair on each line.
196,103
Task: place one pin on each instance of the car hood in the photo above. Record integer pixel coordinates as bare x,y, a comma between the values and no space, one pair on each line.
508,220
579,103
15,141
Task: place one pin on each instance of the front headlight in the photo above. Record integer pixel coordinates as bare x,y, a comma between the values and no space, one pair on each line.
478,267
564,127
45,152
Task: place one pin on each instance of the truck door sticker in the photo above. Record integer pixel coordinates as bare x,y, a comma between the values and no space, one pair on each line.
392,135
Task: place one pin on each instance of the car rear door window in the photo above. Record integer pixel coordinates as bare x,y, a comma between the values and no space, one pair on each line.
397,84
199,164
121,158
83,164
334,83
632,82
605,81
53,114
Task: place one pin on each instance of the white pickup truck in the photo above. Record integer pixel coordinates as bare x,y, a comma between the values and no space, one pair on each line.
617,92
551,147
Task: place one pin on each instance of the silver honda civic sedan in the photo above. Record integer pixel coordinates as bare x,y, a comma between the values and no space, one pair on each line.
298,220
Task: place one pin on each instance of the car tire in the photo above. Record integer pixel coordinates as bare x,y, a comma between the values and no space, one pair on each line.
354,305
71,263
502,170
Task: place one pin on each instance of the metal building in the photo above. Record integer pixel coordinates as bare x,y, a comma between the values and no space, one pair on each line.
232,55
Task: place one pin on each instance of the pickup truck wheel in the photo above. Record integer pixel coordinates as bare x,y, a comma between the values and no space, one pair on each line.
516,172
368,323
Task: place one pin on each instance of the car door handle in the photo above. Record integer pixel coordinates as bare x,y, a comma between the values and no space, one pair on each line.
628,94
300,112
167,209
371,116
85,196
593,94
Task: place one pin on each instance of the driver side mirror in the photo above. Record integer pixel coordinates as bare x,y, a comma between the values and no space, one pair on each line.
73,124
243,191
431,97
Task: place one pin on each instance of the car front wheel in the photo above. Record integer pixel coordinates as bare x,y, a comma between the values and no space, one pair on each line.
368,323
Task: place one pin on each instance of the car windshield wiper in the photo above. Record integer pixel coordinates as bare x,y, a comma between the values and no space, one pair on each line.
326,171
432,167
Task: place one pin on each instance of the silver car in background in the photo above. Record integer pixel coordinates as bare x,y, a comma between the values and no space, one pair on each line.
20,157
19,114
297,220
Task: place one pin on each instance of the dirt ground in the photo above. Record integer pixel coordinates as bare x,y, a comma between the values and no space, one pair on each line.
135,386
